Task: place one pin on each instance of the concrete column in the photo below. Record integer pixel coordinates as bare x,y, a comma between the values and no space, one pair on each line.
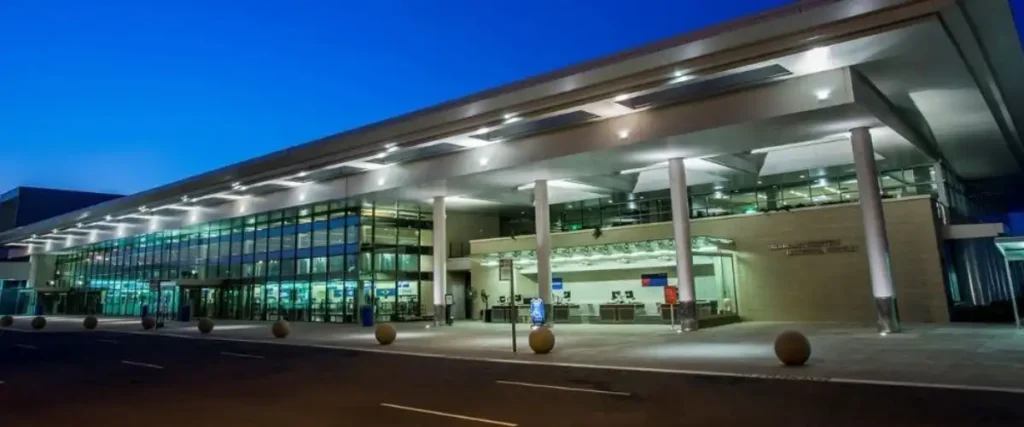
542,220
876,241
440,260
684,252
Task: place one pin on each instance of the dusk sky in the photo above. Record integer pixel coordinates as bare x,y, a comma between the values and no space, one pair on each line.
122,96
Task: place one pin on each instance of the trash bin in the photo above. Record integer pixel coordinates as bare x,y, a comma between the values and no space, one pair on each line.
366,314
145,310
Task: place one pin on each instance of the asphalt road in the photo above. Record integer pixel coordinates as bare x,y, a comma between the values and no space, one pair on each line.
108,379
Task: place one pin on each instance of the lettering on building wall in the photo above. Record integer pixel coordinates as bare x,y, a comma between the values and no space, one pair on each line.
813,247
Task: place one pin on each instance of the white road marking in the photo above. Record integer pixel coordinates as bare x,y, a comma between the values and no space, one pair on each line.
26,346
555,387
144,365
840,380
242,355
108,341
445,414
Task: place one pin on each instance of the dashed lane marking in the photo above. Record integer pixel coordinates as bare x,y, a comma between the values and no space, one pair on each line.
144,365
563,388
449,415
242,355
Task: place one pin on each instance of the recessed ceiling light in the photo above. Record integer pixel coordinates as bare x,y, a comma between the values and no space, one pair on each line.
759,182
55,230
622,97
302,174
79,225
624,133
108,217
511,119
802,176
142,208
392,149
380,155
380,181
236,184
677,74
483,161
482,131
822,94
34,236
302,196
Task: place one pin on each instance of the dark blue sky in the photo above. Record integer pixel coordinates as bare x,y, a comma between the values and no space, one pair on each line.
125,95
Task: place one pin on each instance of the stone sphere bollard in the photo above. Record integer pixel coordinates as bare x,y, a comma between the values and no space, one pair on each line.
6,321
792,348
281,328
148,323
38,322
205,325
542,340
90,322
385,333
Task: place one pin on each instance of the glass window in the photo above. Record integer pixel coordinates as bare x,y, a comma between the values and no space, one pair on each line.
319,265
320,238
304,240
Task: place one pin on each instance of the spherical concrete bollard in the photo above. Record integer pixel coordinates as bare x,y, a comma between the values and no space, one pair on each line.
542,340
90,322
6,321
205,325
385,333
281,328
792,348
148,323
38,322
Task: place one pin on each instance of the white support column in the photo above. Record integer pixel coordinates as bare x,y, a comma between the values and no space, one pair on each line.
680,199
542,219
876,241
440,261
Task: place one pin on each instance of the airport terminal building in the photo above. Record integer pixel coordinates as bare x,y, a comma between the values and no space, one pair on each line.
810,163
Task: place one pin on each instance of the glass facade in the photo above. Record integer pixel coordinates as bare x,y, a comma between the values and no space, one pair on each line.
320,262
770,193
594,279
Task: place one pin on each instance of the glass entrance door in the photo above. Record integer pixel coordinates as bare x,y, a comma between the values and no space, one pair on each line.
232,303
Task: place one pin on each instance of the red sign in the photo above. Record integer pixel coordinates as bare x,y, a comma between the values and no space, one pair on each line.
671,294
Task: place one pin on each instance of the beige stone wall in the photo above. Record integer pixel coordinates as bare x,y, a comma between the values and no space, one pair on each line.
774,286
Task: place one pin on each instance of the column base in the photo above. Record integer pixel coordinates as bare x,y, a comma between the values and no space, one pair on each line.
688,316
439,319
888,315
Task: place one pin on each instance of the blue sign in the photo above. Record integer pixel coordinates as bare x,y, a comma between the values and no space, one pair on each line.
557,284
537,311
659,279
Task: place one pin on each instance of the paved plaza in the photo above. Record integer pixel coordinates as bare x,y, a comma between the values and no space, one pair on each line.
950,355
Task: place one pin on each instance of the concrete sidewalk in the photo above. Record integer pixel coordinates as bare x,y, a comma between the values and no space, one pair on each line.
954,355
